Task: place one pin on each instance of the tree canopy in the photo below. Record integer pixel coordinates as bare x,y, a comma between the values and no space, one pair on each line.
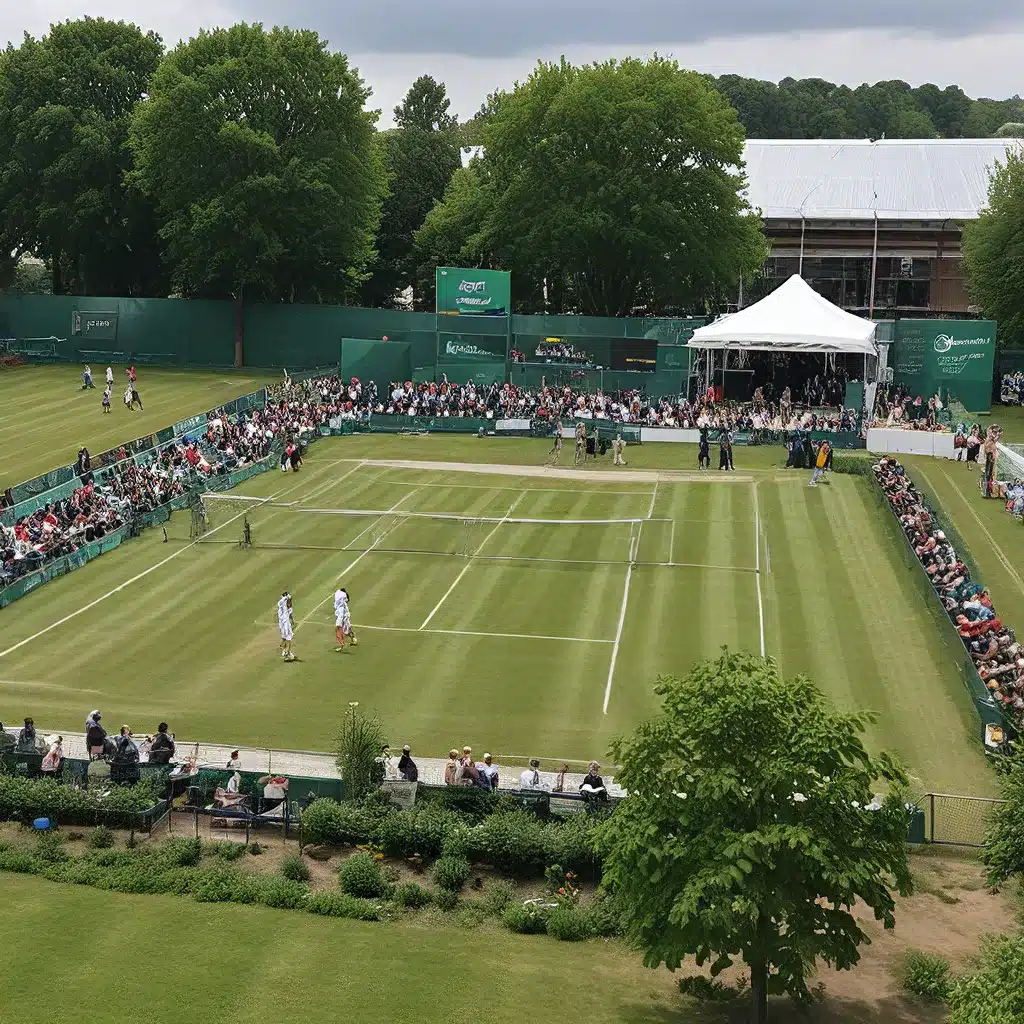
256,148
66,103
747,832
420,155
994,252
993,993
1004,839
612,187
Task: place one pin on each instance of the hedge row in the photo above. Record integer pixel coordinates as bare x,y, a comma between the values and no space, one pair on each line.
172,868
23,799
515,842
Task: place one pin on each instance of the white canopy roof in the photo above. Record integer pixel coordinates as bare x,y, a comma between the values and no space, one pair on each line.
793,318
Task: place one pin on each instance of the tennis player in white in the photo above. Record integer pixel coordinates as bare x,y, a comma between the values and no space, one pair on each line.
286,624
342,619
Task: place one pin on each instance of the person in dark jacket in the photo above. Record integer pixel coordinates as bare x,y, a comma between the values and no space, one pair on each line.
162,749
124,766
27,736
407,766
95,735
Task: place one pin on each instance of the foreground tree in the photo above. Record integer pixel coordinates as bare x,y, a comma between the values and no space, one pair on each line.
994,992
614,186
994,251
746,834
66,104
260,157
421,155
1004,838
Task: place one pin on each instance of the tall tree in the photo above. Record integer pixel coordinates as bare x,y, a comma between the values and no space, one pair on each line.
616,184
747,834
421,156
66,104
1004,838
426,107
259,154
994,252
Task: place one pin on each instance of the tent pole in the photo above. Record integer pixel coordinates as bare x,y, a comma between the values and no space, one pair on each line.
803,227
874,267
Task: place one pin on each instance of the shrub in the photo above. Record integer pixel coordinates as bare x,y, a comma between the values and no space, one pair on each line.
218,885
23,799
525,918
295,868
472,915
335,904
180,852
513,843
18,862
426,831
446,900
359,741
497,896
469,802
412,896
230,851
926,975
284,893
327,821
708,990
360,875
255,849
50,848
570,843
100,838
569,924
451,873
605,913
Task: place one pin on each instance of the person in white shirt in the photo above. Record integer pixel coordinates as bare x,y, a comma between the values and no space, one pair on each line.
110,377
488,772
286,624
342,619
530,779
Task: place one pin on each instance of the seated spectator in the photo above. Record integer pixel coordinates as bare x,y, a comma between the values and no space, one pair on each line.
487,772
28,743
467,773
7,741
407,769
95,736
530,779
234,761
162,749
53,760
592,785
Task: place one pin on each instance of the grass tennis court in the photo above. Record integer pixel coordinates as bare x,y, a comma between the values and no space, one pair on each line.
45,416
545,642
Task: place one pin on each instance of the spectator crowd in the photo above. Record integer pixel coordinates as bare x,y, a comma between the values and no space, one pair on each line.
991,645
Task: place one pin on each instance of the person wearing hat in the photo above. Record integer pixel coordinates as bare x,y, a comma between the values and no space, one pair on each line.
488,772
592,785
407,766
95,735
530,779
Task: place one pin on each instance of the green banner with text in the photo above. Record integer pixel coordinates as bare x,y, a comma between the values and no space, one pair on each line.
953,357
473,292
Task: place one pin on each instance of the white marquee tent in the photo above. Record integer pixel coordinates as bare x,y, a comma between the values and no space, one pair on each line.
793,318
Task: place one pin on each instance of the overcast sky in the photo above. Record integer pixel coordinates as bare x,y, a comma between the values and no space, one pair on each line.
477,47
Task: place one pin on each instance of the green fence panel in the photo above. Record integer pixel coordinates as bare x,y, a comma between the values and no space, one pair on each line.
379,361
483,373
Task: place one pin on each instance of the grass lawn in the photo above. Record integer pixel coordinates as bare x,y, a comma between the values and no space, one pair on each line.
82,952
530,648
45,416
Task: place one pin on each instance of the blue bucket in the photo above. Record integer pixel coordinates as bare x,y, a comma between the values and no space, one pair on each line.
41,824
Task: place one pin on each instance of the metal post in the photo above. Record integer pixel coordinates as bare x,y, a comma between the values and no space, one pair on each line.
931,815
803,227
874,268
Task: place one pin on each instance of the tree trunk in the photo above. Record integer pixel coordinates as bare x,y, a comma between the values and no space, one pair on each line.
759,988
239,331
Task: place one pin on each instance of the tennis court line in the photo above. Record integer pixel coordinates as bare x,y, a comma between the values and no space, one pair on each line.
552,490
348,568
618,630
472,632
146,572
469,561
757,566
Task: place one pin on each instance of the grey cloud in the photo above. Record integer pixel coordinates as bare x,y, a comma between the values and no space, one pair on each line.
506,28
